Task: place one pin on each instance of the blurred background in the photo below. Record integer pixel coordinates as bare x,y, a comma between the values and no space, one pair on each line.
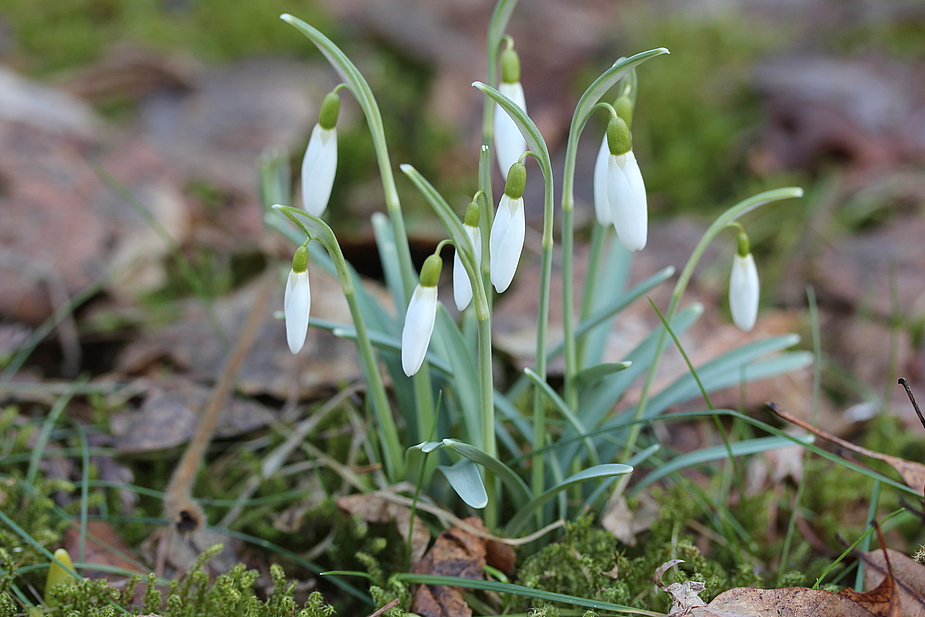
171,102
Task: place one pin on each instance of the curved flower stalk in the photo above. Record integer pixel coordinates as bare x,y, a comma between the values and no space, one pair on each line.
462,287
420,318
298,300
320,161
743,286
506,241
392,451
509,142
626,190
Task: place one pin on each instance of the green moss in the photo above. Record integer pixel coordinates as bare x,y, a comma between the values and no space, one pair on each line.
51,35
232,593
590,563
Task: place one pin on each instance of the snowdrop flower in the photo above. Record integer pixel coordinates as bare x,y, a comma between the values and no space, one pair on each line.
509,142
626,191
320,160
506,240
462,287
419,320
602,209
743,286
298,300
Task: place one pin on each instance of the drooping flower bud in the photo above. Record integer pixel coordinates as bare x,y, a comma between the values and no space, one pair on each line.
320,162
420,317
462,287
506,241
509,143
626,190
297,301
743,286
58,575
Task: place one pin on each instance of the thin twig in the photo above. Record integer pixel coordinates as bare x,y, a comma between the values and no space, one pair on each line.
905,384
179,506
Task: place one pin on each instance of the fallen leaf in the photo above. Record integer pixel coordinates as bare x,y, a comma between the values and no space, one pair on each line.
774,466
882,601
102,546
375,509
908,574
455,553
168,417
912,473
685,596
175,553
190,343
500,555
626,524
786,602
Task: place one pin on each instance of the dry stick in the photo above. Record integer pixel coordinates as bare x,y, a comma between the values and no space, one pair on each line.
905,384
179,506
385,608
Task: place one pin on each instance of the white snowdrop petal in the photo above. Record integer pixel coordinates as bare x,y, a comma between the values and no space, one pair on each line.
510,244
418,328
498,228
601,201
509,142
743,292
475,238
634,178
630,216
462,287
318,168
297,304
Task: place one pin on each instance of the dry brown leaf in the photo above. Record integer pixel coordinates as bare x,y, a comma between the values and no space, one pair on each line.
787,602
455,553
374,509
626,524
685,596
500,555
190,344
706,611
176,553
169,414
102,546
912,473
882,601
908,574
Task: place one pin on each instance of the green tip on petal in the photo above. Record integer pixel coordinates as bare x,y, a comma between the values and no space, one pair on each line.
430,272
743,248
300,259
516,181
472,215
618,136
624,109
330,109
510,65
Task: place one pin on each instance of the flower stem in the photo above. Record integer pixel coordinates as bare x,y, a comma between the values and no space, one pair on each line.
599,234
392,451
489,439
542,322
684,278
